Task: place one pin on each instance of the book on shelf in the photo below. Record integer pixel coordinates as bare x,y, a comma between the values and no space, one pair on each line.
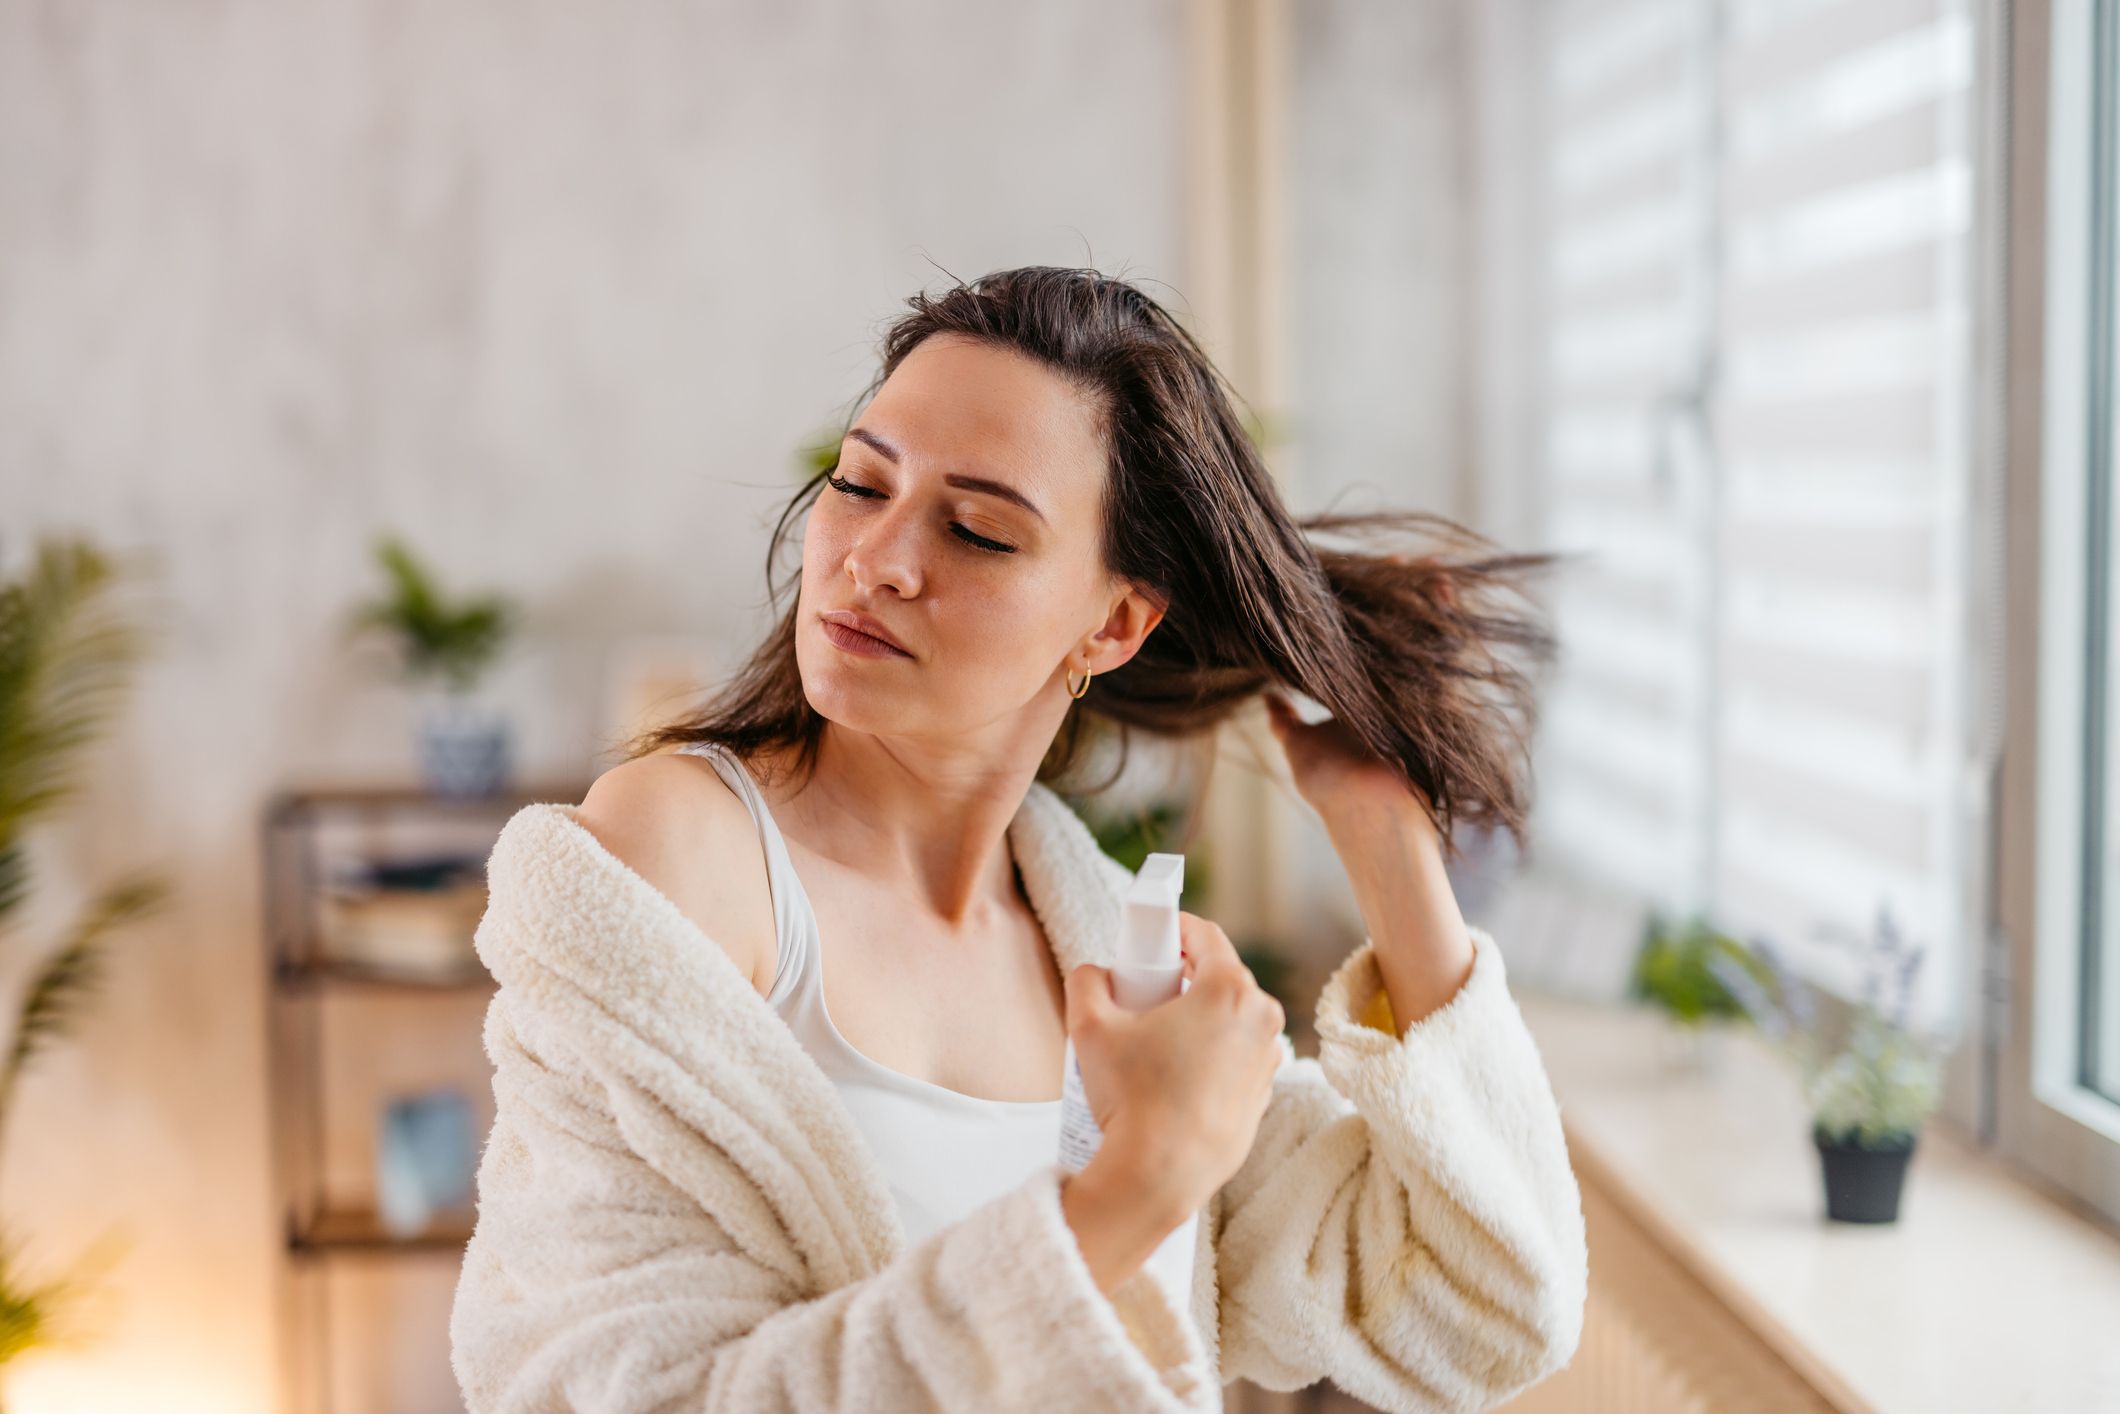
404,917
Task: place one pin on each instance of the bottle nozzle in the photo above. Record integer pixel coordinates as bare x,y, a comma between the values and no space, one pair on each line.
1148,935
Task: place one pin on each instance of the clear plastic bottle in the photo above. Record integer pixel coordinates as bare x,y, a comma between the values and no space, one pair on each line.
1148,967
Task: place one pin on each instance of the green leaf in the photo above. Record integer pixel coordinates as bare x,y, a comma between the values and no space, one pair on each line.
71,976
1672,970
454,642
66,651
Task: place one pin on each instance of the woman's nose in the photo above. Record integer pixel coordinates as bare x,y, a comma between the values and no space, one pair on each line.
887,553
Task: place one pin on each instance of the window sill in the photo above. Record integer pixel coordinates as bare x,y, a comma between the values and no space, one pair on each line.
1985,1295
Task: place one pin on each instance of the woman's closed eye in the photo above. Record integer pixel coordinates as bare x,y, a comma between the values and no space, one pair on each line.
847,488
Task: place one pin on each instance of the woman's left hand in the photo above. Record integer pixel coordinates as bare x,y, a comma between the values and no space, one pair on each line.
1385,835
1346,783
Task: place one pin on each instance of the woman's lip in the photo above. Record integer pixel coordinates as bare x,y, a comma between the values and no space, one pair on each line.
858,622
855,641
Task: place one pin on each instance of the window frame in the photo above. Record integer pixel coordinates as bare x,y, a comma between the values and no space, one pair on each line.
2047,1118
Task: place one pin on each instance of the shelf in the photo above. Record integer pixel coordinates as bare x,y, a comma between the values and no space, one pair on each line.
359,796
359,1230
296,976
373,987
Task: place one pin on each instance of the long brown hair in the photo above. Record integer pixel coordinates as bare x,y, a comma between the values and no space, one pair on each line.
1417,635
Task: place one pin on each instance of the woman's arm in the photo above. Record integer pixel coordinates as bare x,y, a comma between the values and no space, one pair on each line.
599,1279
1117,1214
1407,1220
1394,861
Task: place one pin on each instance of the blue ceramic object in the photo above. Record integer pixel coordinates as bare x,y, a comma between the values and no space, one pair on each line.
464,749
426,1159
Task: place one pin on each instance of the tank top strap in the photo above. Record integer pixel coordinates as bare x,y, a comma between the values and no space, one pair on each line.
790,937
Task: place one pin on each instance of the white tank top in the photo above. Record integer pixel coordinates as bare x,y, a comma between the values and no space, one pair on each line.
943,1152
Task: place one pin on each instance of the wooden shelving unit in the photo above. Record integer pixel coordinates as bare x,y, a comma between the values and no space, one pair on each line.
324,1229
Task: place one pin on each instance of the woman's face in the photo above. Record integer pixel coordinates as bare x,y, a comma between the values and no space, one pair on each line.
966,517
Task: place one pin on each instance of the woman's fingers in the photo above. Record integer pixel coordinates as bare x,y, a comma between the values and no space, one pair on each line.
1207,948
1215,964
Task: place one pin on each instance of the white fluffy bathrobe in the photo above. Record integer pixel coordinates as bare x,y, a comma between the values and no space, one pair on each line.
677,1213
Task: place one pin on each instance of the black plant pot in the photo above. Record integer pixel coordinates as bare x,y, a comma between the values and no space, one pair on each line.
1863,1183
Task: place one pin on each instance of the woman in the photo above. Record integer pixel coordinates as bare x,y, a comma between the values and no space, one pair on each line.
713,1183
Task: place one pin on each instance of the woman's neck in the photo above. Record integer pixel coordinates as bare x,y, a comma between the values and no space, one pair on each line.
934,820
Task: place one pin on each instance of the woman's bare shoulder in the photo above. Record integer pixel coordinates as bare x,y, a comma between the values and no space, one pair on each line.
675,822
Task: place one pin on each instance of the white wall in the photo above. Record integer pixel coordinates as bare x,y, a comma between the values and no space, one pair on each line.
554,289
1378,217
1378,209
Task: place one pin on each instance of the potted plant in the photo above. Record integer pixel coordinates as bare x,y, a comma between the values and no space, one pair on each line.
1677,972
1871,1081
464,747
65,652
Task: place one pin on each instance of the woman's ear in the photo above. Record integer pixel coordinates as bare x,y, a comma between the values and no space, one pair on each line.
1128,624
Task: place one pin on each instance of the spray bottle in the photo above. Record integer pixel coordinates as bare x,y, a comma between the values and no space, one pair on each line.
1147,968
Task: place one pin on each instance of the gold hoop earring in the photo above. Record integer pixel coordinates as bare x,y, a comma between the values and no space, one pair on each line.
1071,681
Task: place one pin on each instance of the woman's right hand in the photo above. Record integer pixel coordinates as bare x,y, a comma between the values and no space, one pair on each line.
1178,1090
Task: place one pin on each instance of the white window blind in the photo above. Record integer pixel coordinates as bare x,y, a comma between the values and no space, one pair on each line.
1759,390
1621,769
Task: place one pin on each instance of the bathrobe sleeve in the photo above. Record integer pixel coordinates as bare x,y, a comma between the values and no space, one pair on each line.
601,1279
1407,1221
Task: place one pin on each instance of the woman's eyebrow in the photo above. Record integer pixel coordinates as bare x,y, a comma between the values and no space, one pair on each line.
958,479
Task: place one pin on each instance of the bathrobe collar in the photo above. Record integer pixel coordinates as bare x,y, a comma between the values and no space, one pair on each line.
564,913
